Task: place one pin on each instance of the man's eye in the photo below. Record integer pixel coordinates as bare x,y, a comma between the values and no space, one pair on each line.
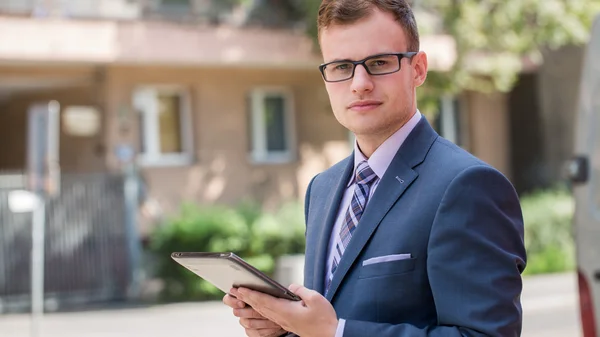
342,66
378,63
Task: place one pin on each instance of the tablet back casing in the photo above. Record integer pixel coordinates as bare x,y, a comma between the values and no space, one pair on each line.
227,270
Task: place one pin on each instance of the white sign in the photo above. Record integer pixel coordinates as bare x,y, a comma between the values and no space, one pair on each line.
21,201
82,121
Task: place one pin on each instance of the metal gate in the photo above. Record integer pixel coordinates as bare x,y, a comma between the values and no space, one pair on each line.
88,247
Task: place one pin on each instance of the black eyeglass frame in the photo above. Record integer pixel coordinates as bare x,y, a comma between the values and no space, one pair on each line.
400,56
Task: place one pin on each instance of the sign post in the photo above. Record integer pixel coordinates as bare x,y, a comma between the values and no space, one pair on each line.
43,181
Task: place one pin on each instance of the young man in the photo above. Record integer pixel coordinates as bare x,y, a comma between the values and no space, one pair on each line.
410,235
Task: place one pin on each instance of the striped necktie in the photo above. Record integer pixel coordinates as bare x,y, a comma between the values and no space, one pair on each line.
365,177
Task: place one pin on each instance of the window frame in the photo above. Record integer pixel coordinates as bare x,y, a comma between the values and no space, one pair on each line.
259,154
163,6
454,120
149,126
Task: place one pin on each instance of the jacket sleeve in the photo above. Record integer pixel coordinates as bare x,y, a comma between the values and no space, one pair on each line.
476,255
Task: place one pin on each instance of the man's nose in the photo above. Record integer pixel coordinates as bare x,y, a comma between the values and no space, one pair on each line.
362,81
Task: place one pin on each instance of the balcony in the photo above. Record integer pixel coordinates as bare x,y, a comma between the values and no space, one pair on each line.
210,11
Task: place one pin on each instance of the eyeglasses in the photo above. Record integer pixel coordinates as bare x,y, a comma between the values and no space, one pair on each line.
381,64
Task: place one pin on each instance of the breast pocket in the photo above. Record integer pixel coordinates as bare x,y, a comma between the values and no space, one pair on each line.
387,268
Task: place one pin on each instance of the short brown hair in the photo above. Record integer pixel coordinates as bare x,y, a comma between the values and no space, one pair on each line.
344,12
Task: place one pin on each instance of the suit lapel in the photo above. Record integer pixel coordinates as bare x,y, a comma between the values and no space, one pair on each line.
339,181
398,177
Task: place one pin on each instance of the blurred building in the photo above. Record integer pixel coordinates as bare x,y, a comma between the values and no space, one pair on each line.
212,109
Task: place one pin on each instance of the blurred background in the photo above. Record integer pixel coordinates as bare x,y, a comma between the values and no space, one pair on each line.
145,127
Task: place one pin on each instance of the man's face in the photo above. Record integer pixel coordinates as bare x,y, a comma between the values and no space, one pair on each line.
372,106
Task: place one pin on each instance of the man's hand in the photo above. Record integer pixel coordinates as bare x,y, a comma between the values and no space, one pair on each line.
314,316
254,324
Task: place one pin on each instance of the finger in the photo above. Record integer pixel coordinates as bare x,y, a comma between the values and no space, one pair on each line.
264,332
258,324
247,313
294,288
233,302
233,292
271,333
274,309
264,304
306,294
250,297
247,296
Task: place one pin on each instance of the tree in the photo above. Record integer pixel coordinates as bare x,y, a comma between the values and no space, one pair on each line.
493,37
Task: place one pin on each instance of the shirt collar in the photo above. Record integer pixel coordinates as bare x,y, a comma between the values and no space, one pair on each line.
383,155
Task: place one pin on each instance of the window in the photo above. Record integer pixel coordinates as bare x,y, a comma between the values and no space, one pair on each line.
174,10
450,122
272,138
175,4
165,125
174,7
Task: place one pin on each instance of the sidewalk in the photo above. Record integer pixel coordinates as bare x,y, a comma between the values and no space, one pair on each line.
549,304
173,320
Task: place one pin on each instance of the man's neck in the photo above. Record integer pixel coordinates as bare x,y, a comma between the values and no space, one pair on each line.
368,144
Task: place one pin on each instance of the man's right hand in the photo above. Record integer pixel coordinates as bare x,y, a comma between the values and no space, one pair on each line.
255,324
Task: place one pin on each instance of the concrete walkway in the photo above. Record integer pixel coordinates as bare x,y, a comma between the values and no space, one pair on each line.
549,304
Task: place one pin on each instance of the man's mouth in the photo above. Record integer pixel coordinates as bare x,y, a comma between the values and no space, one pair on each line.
364,105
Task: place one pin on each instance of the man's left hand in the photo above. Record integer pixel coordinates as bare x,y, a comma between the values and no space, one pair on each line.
314,316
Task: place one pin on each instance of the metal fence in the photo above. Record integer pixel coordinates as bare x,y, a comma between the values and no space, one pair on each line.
88,243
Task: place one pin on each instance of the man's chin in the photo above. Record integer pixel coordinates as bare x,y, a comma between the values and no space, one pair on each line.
366,131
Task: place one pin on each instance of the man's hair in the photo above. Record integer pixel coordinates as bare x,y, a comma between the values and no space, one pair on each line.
345,12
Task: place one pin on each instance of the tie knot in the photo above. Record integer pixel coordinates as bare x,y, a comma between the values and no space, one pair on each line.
364,173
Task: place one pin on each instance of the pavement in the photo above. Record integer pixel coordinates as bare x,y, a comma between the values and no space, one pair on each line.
549,305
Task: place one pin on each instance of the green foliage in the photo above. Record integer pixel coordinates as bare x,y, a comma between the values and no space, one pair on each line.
282,232
429,94
311,11
258,237
548,231
492,36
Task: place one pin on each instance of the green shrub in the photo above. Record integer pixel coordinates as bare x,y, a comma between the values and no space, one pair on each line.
213,229
548,231
259,238
279,233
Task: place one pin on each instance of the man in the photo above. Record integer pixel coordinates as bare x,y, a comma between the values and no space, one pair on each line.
410,235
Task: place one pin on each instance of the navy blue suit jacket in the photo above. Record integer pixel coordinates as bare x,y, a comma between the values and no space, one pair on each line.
460,220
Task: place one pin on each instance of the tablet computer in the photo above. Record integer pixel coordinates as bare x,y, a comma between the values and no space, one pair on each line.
227,270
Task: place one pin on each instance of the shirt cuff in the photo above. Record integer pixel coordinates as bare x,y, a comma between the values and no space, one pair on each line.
340,328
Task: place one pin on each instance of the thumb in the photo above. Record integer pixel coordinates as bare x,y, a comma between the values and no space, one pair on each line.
294,287
307,295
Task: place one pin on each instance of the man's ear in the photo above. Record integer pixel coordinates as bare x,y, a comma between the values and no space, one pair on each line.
419,62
